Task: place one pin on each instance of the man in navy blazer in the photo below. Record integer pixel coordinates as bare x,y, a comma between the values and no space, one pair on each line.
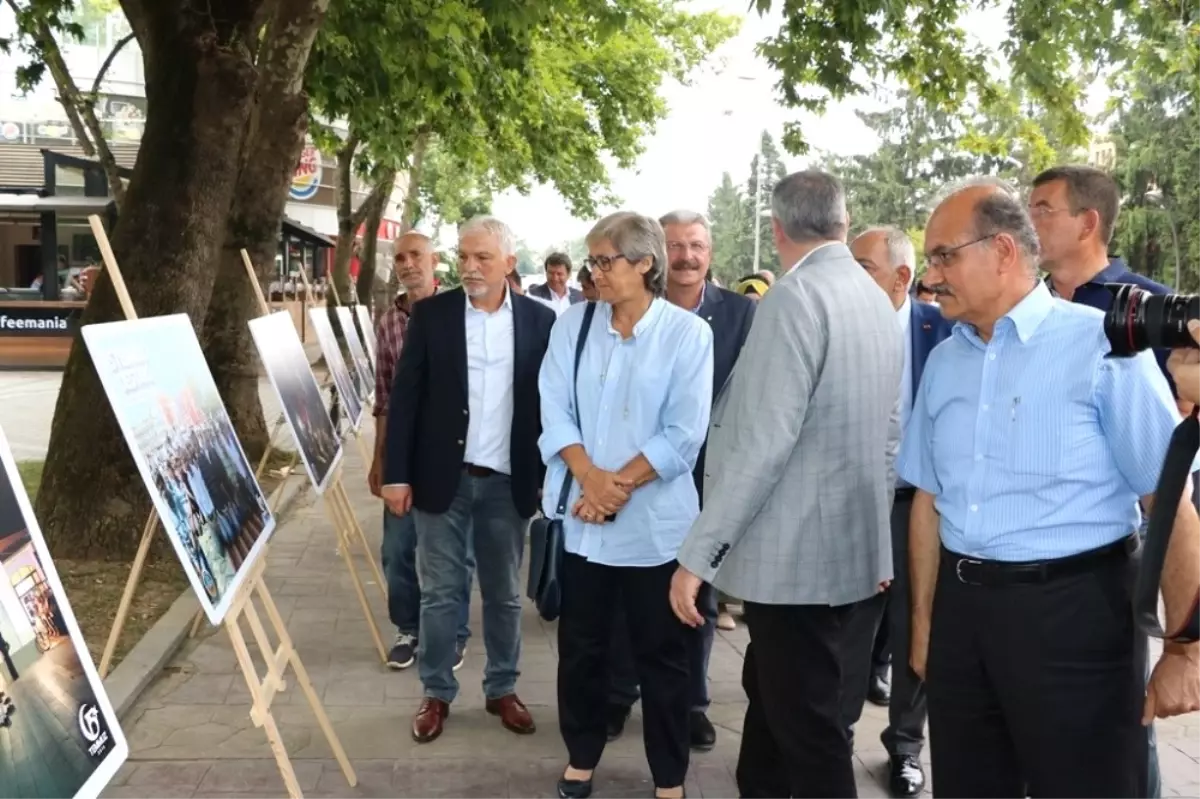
689,252
555,291
888,256
462,456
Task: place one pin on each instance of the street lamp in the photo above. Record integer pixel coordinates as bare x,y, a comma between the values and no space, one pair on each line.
1155,196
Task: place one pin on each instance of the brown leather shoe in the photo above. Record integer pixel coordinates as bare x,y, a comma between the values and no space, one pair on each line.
513,714
430,718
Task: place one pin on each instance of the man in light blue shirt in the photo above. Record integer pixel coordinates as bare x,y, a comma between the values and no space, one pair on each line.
1030,449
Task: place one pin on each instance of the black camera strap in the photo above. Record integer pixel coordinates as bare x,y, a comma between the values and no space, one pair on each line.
1176,472
561,509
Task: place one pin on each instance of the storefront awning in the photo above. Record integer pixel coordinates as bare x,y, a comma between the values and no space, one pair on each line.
304,233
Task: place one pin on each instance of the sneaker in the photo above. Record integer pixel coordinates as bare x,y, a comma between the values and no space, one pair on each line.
403,653
460,654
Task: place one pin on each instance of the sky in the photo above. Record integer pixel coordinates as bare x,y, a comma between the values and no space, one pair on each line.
713,126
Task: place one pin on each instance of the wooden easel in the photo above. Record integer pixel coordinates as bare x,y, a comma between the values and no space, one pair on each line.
277,659
337,506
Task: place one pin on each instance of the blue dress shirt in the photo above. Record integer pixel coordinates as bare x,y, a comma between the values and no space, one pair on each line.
648,394
1034,444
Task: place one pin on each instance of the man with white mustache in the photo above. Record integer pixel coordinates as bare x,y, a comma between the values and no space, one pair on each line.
462,457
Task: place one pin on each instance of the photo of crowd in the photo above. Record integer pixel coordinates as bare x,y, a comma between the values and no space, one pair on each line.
286,364
346,383
363,367
58,733
171,414
368,331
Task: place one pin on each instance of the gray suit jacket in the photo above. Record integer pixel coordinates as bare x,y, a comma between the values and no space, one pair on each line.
799,478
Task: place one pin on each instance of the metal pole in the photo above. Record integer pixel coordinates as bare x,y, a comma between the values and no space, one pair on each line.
1175,242
757,209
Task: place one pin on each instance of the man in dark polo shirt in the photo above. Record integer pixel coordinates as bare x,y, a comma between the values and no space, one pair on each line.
1074,209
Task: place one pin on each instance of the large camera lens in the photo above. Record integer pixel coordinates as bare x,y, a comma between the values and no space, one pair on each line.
1139,320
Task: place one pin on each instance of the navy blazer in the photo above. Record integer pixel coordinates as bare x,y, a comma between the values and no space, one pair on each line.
928,328
428,412
542,290
729,315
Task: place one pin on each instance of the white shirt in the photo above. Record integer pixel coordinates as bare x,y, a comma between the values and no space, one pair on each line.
559,304
490,359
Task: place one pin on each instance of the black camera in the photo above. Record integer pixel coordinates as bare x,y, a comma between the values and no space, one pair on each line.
1139,320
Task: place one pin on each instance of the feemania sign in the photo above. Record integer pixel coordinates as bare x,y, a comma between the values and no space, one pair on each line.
33,321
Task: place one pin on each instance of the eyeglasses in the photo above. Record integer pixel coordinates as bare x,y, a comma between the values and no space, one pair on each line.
939,258
680,246
1040,211
603,262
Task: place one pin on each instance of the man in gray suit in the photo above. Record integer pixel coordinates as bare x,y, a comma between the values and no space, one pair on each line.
798,491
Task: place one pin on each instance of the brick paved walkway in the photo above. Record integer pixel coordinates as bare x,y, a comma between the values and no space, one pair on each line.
190,734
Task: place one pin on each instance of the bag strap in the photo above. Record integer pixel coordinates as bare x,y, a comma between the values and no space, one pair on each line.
561,509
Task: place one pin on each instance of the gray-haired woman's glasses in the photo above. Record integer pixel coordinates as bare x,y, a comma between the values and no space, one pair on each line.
603,262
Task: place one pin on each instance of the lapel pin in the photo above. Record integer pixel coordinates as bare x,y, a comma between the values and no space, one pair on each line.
926,326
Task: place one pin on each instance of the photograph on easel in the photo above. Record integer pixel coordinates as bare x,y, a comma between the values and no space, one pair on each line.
346,385
362,364
288,368
368,331
175,424
59,735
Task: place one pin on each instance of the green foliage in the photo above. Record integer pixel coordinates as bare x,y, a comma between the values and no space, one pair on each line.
34,17
512,92
450,191
830,51
727,208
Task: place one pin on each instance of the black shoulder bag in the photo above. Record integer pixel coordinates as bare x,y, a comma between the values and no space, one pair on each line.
546,537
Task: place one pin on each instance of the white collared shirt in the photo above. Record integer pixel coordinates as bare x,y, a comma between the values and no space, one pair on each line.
904,317
490,357
559,304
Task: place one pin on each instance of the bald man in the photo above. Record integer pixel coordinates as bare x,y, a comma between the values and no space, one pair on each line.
414,262
1029,450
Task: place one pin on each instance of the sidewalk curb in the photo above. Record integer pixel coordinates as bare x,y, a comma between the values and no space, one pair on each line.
134,674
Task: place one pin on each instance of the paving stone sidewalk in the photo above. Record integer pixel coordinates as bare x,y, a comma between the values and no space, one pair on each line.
190,734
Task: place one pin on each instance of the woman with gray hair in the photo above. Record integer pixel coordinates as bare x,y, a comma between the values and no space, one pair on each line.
626,390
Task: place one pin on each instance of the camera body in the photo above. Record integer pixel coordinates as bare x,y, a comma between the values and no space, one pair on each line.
1139,320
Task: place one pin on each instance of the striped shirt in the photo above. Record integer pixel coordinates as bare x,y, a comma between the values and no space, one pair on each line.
1034,445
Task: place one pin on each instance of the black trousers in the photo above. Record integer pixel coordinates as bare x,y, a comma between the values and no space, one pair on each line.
623,684
794,738
858,658
660,655
905,733
1037,690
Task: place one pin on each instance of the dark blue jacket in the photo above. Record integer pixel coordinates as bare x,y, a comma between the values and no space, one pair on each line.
428,413
928,328
730,316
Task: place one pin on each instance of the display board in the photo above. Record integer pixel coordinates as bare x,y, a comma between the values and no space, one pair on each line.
363,366
347,389
175,424
299,395
368,331
59,735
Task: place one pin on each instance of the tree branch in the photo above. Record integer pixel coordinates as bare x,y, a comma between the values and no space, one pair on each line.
112,54
345,160
413,190
378,196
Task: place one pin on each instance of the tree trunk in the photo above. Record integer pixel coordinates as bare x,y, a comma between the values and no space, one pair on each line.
365,285
199,88
275,137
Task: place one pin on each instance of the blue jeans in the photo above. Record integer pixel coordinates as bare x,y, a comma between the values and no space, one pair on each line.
400,571
482,513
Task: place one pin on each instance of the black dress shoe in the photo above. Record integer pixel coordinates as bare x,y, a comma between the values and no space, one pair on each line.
702,734
574,789
906,777
879,692
617,716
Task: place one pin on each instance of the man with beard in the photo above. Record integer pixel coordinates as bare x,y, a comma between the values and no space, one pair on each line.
689,252
462,457
414,262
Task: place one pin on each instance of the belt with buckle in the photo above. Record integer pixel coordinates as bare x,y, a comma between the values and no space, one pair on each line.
478,471
973,571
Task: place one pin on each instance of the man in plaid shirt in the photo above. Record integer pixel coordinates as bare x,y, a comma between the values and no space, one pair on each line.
414,262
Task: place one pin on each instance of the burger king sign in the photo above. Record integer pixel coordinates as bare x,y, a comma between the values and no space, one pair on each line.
307,177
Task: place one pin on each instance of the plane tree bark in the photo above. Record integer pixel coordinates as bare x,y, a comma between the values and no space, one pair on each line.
201,81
